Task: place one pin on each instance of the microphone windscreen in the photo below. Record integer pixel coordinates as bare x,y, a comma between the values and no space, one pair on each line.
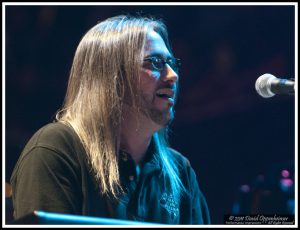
263,85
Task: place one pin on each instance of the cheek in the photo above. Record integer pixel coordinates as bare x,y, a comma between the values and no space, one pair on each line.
149,75
155,75
149,79
148,84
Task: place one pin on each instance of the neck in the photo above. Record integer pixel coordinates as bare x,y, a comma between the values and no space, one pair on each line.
136,134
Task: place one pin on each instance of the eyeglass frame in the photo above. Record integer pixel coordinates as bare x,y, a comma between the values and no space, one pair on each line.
168,61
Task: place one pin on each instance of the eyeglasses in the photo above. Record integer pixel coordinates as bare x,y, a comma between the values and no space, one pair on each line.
158,63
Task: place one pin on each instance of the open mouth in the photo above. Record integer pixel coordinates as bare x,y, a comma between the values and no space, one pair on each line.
165,93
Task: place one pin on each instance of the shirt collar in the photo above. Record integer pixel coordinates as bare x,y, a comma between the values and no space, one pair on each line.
151,161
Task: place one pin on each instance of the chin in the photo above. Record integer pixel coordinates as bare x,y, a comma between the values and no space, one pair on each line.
162,118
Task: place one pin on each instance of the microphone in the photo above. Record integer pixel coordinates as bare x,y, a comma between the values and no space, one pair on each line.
267,85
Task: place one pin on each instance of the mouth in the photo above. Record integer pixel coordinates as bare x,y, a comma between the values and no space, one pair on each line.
166,94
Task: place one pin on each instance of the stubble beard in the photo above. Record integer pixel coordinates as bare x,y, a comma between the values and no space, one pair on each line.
160,117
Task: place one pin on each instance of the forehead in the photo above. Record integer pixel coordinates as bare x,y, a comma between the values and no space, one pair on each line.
155,45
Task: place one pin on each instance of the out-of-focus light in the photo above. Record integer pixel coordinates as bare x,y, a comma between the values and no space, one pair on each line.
245,188
285,173
286,184
291,206
236,208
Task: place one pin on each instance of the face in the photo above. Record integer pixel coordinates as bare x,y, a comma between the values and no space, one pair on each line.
158,87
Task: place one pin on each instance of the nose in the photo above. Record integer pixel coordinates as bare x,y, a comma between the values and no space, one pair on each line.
170,75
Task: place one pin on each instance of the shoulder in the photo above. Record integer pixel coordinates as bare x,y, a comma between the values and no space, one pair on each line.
186,171
55,131
179,158
53,147
55,136
53,141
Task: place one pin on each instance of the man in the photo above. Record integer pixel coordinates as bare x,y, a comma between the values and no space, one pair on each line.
107,153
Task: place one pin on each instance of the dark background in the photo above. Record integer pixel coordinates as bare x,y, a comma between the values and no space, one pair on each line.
230,134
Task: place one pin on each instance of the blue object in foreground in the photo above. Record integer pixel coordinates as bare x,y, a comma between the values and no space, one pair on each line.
61,219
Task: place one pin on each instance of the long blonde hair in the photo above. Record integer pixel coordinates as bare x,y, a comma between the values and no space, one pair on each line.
106,65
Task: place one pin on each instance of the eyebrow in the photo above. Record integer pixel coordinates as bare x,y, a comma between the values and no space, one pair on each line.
159,55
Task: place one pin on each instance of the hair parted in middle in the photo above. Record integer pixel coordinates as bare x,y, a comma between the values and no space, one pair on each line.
105,74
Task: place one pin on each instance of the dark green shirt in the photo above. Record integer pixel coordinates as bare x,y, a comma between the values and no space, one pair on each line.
53,174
